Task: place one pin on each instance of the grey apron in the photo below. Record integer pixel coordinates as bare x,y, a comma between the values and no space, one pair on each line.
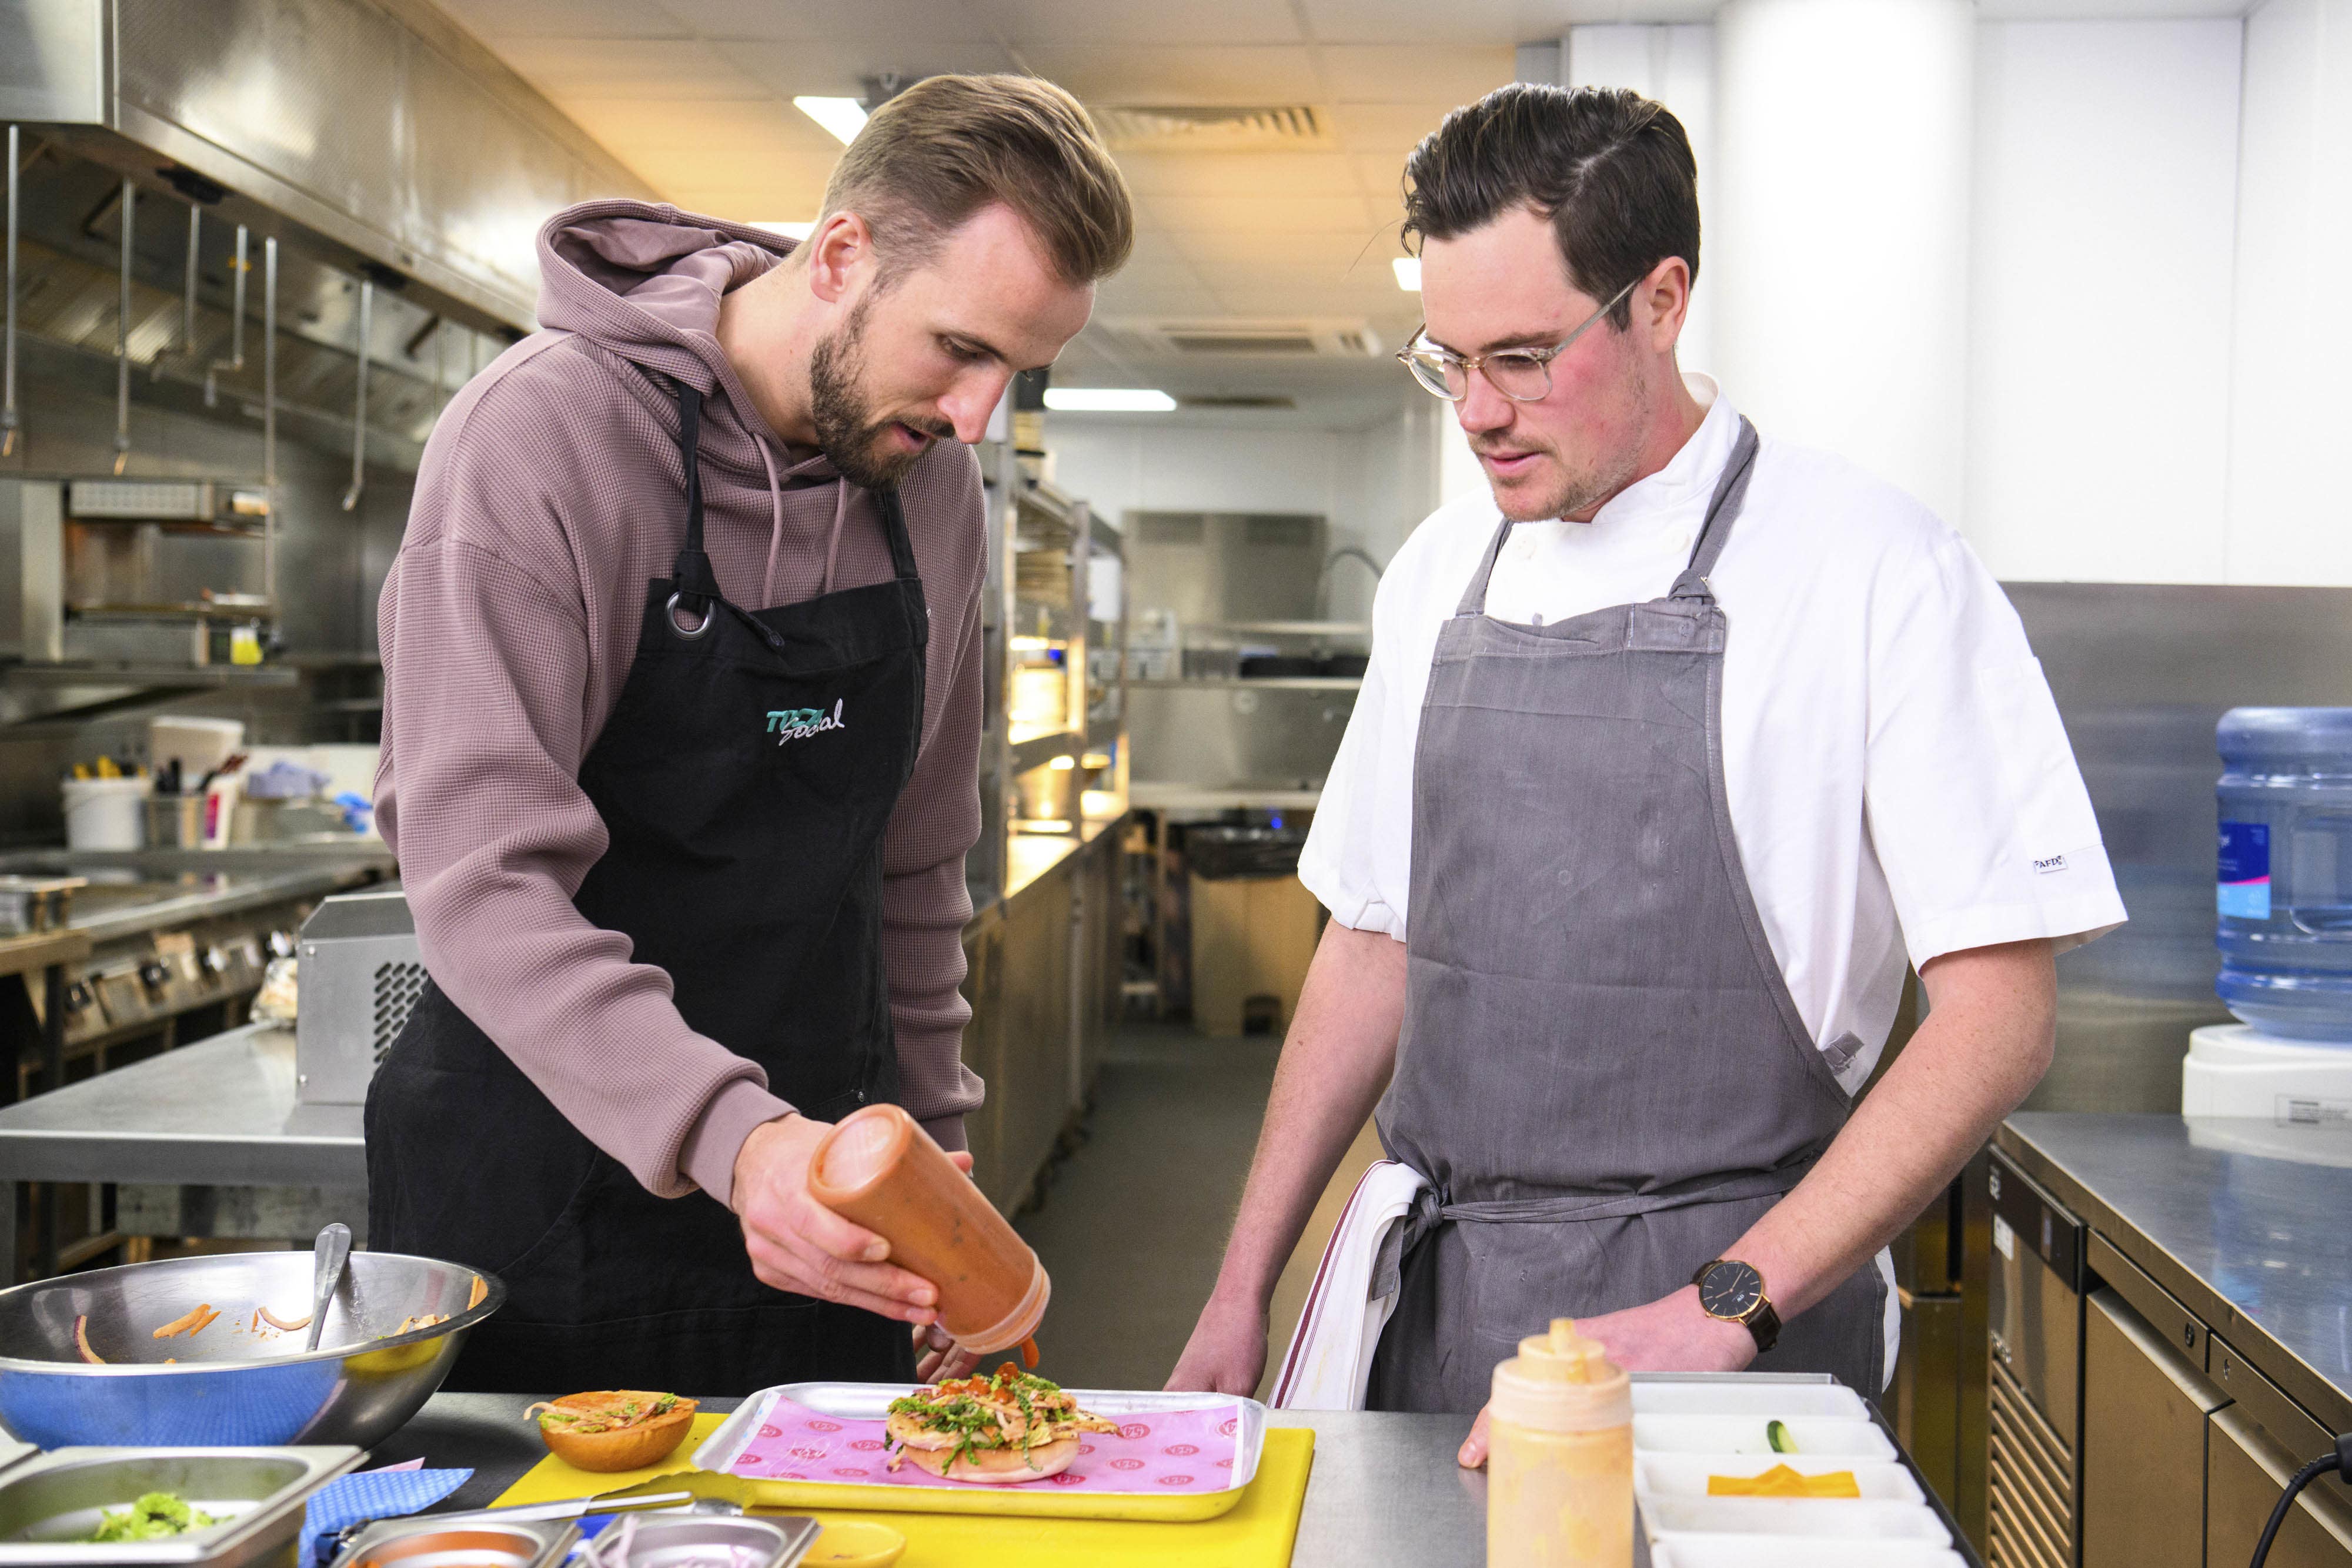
1600,1070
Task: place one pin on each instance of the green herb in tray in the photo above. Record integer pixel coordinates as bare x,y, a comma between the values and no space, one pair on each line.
154,1517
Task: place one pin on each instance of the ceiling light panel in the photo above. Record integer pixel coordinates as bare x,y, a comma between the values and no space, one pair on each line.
1408,272
1108,399
843,118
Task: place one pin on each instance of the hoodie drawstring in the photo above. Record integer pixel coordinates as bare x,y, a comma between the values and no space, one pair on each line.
775,523
776,527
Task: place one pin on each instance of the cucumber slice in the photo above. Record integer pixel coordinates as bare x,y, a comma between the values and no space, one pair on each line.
1777,1434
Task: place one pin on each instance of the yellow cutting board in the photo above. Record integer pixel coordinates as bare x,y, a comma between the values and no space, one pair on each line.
1257,1533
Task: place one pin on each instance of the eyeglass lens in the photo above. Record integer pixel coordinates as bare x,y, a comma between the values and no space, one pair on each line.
1521,377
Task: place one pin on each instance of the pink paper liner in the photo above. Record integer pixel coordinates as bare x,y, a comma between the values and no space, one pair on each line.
1151,1455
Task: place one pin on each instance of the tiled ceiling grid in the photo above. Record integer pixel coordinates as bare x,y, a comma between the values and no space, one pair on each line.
696,97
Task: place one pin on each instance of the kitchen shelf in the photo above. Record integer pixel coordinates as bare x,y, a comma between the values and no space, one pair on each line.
1035,750
1255,682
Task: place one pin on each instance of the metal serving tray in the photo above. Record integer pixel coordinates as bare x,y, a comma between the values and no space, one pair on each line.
426,1542
49,1505
663,1540
871,1402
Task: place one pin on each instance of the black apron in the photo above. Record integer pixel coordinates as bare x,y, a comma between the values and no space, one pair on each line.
744,777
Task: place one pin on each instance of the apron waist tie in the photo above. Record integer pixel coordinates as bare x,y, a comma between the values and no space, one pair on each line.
1431,1210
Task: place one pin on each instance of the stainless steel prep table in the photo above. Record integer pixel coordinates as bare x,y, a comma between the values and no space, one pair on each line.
1384,1488
2208,1334
2257,1246
220,1113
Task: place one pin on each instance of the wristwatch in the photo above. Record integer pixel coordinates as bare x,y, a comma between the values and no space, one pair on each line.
1734,1291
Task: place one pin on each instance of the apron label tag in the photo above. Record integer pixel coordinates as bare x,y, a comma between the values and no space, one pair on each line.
2044,866
800,723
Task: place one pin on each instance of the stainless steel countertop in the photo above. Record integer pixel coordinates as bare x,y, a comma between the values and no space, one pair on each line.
1384,1488
218,1112
2243,1220
203,883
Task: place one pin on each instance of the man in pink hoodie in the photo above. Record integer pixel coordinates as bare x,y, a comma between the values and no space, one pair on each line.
682,706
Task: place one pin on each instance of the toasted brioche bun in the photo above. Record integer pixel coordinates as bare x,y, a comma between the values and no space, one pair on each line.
626,1449
998,1467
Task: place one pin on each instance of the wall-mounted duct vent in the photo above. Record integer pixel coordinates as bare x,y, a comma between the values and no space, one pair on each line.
1346,339
1186,128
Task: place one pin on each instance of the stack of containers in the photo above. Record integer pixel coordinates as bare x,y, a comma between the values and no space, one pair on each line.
1693,1434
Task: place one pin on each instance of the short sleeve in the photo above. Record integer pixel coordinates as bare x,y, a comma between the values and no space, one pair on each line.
1359,849
1976,808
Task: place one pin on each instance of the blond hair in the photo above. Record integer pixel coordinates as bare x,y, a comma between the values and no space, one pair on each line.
950,145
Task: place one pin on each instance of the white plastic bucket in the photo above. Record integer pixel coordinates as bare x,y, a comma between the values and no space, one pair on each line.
106,813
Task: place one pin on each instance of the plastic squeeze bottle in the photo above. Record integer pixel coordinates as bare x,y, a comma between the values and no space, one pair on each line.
1559,1463
879,1169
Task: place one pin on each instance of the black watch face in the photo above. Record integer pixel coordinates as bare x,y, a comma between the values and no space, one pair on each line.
1730,1289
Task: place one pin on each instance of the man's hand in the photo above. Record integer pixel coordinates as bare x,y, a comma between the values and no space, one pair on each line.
799,1245
1226,1353
1673,1333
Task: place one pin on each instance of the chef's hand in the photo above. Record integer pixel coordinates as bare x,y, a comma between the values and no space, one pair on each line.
1673,1333
1226,1353
937,1359
797,1244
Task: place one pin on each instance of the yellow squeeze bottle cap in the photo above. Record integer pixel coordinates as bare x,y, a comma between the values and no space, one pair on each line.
1562,1382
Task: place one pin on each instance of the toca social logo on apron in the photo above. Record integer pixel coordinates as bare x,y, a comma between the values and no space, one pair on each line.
800,723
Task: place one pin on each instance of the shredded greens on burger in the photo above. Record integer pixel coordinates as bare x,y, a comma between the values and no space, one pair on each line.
1011,1410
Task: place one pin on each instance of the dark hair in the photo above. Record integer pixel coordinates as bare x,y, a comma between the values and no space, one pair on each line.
949,145
1610,168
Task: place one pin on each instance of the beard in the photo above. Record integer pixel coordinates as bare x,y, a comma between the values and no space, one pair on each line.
1558,489
860,445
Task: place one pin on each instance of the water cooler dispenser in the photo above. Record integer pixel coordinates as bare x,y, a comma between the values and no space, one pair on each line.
2282,921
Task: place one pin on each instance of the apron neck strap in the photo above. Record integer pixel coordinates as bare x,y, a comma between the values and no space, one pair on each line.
893,528
1474,598
697,584
1730,494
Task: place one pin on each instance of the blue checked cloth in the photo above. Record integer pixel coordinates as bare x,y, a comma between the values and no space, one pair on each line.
370,1494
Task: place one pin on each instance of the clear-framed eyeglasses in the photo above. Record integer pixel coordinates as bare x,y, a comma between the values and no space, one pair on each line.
1523,375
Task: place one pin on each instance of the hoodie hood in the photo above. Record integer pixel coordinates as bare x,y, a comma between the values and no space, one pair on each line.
643,281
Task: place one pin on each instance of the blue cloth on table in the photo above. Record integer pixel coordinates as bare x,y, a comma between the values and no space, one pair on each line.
371,1494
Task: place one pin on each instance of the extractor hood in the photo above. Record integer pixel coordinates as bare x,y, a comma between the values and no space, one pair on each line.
377,128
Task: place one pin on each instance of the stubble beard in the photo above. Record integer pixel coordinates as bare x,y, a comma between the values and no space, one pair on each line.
1585,488
848,435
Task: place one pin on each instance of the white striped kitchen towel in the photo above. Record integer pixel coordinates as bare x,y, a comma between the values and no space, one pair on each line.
1330,1357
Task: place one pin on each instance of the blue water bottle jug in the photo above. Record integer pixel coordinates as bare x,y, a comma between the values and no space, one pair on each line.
2284,897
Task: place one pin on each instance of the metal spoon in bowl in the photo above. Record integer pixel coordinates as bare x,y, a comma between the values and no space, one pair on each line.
330,1251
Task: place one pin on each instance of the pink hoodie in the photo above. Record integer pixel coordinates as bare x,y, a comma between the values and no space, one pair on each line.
550,495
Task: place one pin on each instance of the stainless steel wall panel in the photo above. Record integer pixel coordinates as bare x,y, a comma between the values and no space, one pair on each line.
2142,674
53,59
1236,734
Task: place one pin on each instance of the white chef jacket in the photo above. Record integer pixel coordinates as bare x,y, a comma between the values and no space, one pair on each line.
1900,783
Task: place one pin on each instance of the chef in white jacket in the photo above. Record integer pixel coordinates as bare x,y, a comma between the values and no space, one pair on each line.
1677,748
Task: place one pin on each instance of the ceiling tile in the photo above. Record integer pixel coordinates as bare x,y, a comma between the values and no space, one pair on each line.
1493,21
1384,127
837,66
1108,21
498,20
877,21
1260,215
1415,73
566,68
1238,173
1178,73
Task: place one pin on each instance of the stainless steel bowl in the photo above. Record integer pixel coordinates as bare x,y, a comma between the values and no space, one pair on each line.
237,1382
